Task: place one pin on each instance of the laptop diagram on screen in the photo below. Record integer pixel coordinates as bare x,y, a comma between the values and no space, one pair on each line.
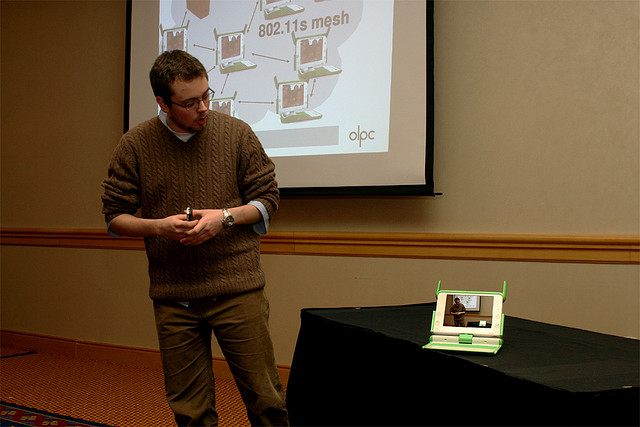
293,102
278,8
231,51
175,38
311,56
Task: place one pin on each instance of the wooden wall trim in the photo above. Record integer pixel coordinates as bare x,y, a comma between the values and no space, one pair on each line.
502,247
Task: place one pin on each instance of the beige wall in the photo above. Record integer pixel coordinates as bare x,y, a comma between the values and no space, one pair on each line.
536,132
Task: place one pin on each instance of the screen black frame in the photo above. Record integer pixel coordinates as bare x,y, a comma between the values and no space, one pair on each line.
426,189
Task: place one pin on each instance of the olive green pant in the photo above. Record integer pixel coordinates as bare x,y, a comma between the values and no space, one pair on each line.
241,326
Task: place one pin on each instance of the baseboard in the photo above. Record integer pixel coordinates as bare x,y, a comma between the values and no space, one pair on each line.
124,355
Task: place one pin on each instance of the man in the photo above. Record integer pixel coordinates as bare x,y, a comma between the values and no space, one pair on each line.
205,272
458,310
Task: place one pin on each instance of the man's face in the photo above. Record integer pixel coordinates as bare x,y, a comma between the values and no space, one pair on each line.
180,119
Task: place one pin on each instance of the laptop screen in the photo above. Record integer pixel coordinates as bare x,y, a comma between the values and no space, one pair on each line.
483,317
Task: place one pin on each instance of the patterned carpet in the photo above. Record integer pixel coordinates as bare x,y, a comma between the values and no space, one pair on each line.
15,415
98,391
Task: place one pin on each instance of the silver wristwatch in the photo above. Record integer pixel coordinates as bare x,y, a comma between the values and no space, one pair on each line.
227,218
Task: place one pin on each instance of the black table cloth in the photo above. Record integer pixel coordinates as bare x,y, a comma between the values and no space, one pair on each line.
366,366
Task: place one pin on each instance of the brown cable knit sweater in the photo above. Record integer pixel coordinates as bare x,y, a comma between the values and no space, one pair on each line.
223,165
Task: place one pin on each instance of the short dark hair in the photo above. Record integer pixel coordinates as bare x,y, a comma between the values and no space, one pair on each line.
171,66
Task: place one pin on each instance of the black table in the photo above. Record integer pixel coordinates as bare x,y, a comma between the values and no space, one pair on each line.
366,366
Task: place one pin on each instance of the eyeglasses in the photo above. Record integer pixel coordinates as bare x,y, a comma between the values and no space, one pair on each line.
195,102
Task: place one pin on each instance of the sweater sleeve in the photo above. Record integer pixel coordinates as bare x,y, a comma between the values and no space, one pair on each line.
122,185
257,174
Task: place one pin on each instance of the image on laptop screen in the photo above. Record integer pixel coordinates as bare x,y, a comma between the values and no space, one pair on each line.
224,106
293,96
313,52
231,47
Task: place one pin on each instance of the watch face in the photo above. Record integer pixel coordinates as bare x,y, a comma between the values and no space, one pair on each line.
228,219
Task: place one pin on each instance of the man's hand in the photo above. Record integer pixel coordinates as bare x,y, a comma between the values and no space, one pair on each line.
175,227
208,223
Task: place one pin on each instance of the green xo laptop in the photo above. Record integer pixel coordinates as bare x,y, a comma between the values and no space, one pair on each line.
473,323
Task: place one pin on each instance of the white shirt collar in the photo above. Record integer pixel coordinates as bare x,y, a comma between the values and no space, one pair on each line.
183,136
